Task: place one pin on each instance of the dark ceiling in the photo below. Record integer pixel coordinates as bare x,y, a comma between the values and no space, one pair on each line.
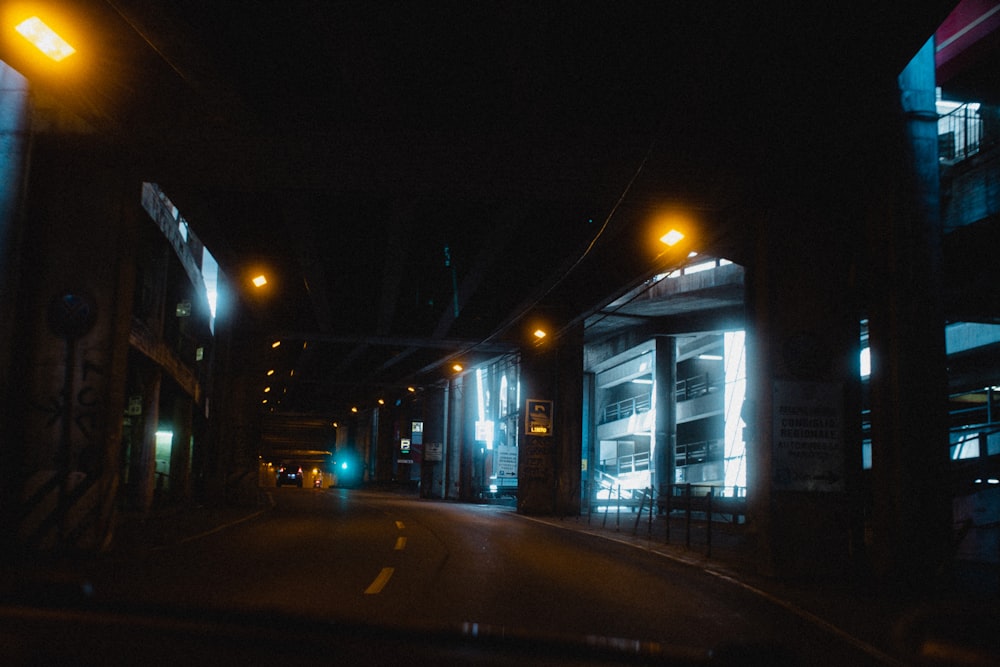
423,178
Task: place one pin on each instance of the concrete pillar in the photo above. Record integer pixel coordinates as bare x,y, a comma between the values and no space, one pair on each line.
803,335
72,317
180,451
910,524
569,420
589,441
549,466
465,409
453,447
386,445
449,473
14,147
665,429
432,411
143,472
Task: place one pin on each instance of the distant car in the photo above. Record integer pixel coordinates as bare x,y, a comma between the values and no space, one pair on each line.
289,475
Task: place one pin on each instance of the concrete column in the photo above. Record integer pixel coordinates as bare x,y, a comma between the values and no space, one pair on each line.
433,414
589,441
453,447
180,451
549,466
143,472
803,335
72,319
569,420
14,148
386,445
910,525
468,488
665,429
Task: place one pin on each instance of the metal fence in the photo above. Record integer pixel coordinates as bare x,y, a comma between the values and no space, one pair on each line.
680,510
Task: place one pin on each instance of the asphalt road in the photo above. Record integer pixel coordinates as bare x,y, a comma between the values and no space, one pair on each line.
397,561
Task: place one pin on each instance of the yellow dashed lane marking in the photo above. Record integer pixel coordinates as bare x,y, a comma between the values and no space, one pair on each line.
380,581
400,543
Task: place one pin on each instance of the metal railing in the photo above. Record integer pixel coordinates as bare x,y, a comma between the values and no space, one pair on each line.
692,387
625,464
701,507
689,453
686,389
627,407
960,134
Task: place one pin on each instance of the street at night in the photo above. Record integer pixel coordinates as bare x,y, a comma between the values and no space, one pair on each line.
394,561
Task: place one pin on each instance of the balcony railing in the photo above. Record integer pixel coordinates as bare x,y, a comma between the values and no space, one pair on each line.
626,408
960,134
686,389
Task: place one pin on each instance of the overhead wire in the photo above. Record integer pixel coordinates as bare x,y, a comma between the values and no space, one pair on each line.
533,302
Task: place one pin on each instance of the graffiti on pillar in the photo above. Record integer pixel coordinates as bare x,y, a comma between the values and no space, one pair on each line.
75,409
64,426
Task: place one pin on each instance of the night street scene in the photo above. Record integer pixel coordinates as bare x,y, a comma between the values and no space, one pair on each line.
491,333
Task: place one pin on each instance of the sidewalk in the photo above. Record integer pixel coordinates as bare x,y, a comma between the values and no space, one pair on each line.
168,527
895,630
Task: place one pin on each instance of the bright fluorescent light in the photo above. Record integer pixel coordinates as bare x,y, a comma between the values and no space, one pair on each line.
642,381
44,38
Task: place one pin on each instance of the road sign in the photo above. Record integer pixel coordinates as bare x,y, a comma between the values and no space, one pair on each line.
538,417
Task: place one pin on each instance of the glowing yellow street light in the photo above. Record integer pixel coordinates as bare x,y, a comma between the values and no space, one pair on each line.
276,343
539,334
259,280
44,38
458,368
672,238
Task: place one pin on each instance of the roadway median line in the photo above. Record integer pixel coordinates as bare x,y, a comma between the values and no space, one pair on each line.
380,581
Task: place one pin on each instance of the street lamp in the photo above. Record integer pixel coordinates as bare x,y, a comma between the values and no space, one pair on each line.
45,39
672,238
